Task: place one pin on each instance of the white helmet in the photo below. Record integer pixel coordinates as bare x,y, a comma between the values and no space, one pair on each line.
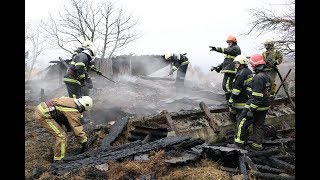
241,59
167,56
89,45
86,101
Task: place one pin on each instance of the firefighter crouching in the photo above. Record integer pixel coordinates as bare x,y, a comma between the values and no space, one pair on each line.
64,111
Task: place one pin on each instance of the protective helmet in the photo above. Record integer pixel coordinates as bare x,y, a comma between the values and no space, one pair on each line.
256,60
232,38
167,56
269,42
89,45
241,59
86,101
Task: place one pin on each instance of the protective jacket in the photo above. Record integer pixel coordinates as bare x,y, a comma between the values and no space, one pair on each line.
77,71
179,60
230,53
241,87
261,87
272,57
65,112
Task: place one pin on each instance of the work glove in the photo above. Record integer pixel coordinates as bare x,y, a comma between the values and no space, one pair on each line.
99,72
229,103
250,114
84,147
213,68
212,48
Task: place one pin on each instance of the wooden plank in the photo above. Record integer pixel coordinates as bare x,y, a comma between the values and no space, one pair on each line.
212,122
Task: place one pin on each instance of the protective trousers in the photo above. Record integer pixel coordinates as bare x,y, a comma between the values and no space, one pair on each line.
243,123
272,74
74,90
45,120
227,84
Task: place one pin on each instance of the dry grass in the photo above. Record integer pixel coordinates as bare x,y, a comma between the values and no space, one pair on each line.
156,165
203,170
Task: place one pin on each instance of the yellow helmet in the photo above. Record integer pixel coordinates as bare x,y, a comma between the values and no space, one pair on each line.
86,102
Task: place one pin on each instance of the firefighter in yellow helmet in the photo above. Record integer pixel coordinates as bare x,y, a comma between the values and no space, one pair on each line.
273,58
64,111
227,67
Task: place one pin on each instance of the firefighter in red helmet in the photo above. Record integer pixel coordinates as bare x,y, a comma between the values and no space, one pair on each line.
256,108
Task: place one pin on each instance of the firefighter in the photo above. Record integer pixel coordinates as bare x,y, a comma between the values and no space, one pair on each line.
64,111
241,87
256,108
227,67
273,57
77,76
180,64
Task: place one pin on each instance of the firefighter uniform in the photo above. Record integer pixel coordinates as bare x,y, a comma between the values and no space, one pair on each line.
255,110
227,67
56,112
241,89
273,57
77,75
180,62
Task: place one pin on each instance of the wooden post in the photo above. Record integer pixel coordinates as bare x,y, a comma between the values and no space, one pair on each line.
212,122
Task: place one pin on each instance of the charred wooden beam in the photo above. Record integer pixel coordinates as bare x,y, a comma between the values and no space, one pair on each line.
243,168
249,162
169,121
212,122
268,169
279,141
115,131
282,164
259,175
188,144
61,167
288,158
184,158
161,132
264,153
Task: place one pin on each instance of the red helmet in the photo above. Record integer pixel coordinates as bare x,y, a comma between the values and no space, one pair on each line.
232,38
256,60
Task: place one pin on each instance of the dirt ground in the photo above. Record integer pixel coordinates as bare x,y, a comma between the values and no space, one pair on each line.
39,155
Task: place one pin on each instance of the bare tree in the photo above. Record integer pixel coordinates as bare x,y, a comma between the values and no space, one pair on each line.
88,20
265,20
37,45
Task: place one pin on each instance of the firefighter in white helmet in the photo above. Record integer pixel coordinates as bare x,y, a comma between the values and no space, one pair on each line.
273,58
241,87
180,64
64,111
77,76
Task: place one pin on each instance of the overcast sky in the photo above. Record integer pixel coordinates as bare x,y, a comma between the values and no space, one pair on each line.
179,26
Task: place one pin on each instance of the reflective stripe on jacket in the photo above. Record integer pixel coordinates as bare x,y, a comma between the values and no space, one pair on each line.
241,86
230,53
